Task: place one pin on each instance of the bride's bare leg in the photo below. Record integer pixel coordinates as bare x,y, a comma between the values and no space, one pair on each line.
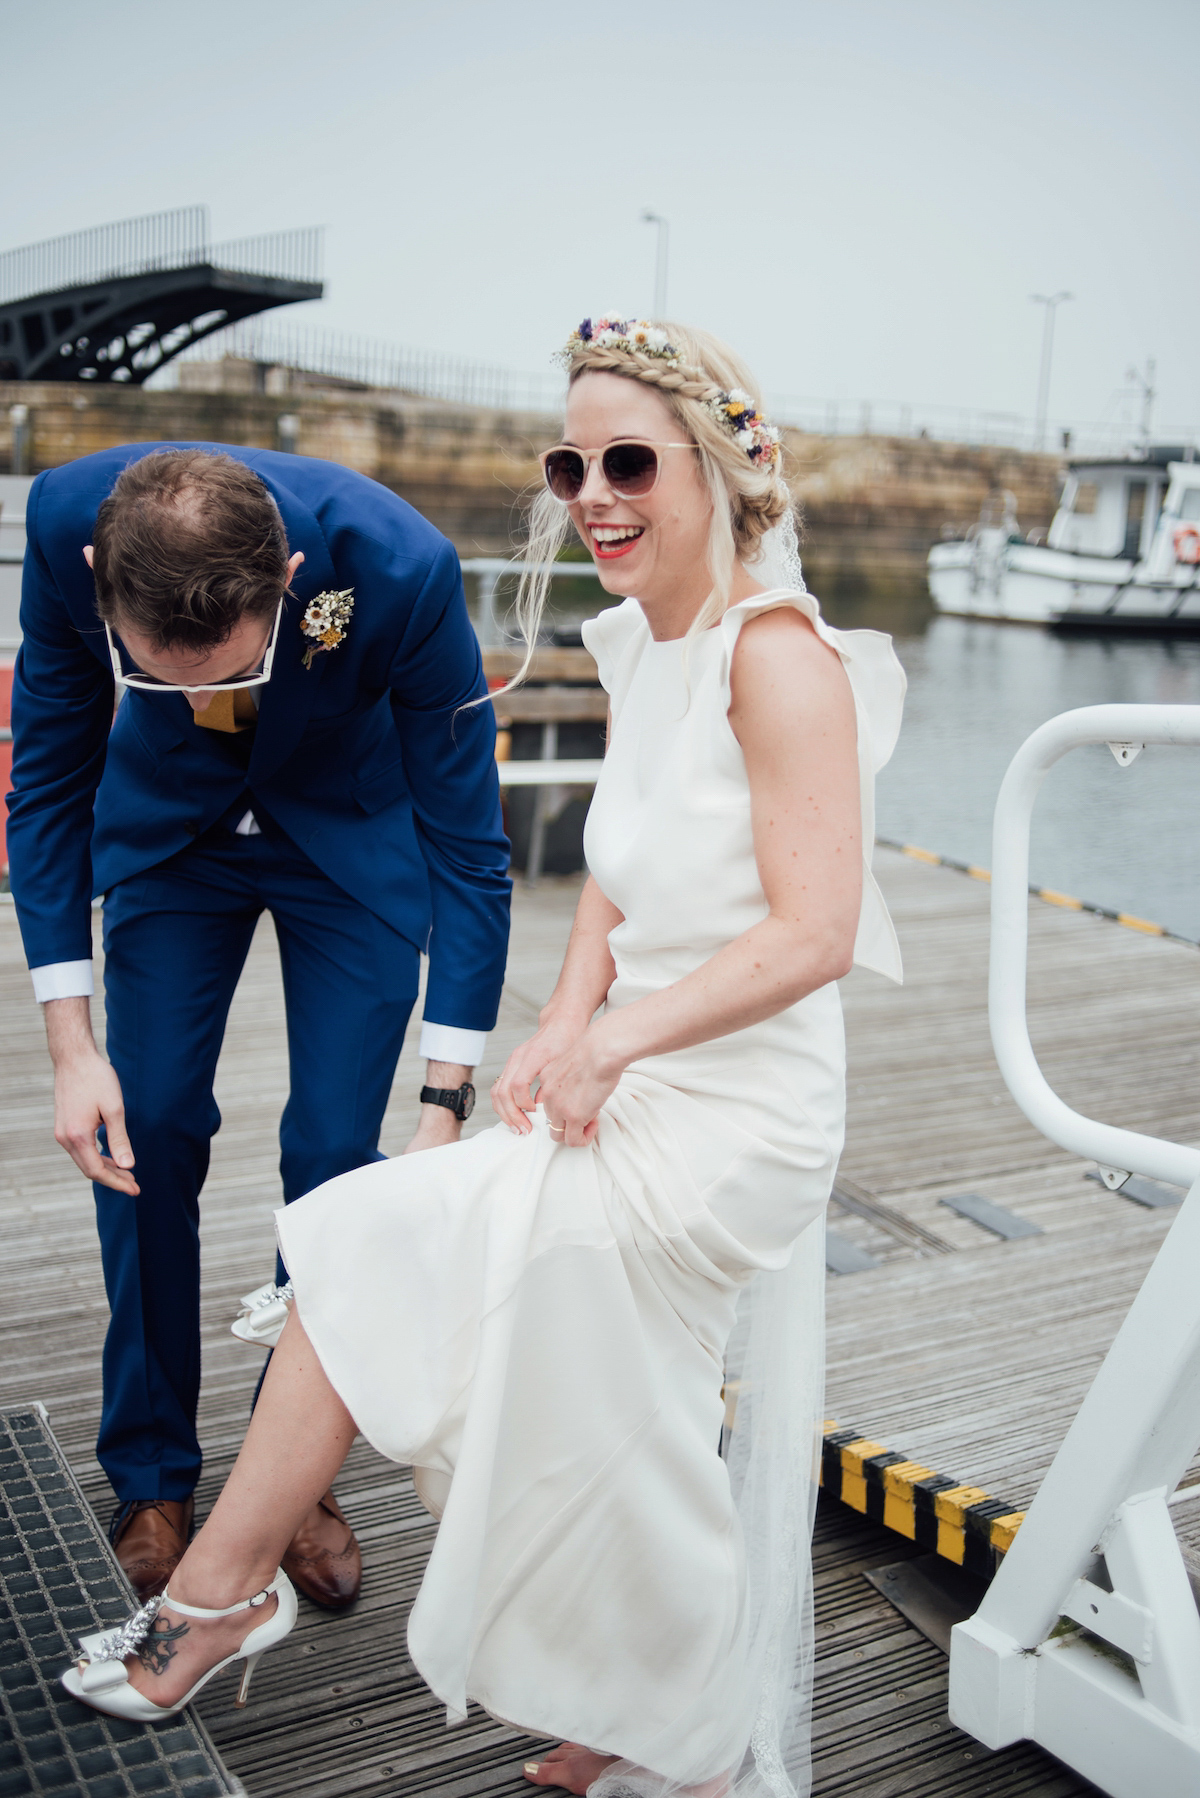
299,1435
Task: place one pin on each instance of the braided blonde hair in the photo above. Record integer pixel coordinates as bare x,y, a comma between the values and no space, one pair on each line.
747,500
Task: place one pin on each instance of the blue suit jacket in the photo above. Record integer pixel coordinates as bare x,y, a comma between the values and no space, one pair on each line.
365,759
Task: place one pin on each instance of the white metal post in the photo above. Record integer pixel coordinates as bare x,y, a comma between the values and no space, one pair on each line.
660,261
18,418
1051,301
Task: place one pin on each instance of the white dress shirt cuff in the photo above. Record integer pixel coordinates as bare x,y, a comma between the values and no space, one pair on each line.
63,980
446,1042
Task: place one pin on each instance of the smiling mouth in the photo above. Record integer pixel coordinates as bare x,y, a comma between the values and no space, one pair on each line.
611,540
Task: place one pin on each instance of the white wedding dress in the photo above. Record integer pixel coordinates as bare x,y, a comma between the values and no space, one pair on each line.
542,1332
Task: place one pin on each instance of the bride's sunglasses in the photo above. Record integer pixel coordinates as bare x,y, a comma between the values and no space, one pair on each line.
631,467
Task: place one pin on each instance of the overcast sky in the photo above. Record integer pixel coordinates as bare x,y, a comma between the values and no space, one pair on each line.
862,194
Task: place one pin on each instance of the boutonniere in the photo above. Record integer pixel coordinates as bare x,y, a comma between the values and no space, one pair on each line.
325,621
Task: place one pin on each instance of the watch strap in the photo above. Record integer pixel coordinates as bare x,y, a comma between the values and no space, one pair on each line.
454,1098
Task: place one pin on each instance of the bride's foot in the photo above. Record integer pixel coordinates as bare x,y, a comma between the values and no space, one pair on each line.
574,1768
568,1766
179,1650
162,1655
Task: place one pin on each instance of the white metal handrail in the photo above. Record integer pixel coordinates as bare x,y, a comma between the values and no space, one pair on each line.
1126,729
1096,1564
549,773
506,565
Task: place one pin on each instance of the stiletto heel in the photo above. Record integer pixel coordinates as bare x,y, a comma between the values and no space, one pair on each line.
252,1660
100,1677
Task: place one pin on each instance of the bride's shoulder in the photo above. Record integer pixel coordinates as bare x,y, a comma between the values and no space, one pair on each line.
780,659
767,626
612,635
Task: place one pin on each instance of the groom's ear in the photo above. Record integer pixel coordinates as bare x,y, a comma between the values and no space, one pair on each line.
88,554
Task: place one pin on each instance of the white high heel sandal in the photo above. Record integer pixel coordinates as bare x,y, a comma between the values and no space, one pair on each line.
100,1677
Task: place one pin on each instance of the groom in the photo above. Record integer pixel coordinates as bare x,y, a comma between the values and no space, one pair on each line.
296,736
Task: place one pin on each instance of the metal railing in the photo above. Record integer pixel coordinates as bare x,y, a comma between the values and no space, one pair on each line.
978,427
1096,1565
1126,729
161,240
369,362
284,255
157,240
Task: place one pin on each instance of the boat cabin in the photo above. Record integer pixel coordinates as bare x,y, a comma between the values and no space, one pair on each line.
1112,508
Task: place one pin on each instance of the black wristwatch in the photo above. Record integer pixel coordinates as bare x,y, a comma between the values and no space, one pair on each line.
458,1099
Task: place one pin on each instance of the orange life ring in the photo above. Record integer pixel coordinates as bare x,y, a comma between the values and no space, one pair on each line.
1187,543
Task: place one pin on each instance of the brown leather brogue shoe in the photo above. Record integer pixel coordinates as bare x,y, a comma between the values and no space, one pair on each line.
323,1559
150,1536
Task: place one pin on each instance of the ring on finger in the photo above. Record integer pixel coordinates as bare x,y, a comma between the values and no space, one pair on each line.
556,1129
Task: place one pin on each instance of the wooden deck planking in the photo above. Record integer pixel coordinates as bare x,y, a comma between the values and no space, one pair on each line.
975,1363
968,1358
880,1728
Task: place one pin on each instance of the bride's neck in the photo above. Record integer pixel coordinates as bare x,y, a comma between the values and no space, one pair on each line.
671,615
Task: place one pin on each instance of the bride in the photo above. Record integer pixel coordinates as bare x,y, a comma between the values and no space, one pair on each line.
595,1331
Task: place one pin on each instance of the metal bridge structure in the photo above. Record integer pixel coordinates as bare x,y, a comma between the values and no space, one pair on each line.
118,301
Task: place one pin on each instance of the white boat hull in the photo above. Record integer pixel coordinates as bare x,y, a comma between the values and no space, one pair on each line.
1030,584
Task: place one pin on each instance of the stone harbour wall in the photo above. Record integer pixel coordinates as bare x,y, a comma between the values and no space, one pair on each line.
872,506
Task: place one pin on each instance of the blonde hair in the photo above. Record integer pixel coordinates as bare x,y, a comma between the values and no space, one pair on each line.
747,501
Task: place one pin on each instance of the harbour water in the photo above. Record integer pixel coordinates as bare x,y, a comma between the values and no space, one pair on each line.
1128,838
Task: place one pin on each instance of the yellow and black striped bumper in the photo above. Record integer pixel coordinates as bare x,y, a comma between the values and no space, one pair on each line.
962,1523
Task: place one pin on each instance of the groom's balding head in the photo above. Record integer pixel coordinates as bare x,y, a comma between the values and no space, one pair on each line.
188,545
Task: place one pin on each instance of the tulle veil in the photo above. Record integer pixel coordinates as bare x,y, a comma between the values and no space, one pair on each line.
775,1390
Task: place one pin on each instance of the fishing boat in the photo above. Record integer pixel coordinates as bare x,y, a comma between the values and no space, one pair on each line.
1122,555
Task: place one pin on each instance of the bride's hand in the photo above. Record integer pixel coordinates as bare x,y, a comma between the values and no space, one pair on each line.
574,1088
512,1094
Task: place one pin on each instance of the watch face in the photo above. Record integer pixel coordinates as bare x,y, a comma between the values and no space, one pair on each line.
467,1097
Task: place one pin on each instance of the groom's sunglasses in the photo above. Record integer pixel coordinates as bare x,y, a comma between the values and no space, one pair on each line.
631,468
126,671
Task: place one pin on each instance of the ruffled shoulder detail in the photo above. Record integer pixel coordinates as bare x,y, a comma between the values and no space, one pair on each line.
615,640
878,683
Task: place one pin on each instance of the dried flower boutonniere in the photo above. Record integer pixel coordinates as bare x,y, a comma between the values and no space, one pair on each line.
325,621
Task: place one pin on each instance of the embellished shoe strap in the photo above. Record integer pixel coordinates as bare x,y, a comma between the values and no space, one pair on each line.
102,1656
246,1604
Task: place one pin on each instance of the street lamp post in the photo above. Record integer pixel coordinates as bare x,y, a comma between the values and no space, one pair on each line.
1146,383
660,261
1051,301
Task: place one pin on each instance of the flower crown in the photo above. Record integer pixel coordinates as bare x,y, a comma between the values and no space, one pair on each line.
737,413
734,411
637,336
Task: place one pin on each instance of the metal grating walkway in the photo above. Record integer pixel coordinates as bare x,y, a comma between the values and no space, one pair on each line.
58,1580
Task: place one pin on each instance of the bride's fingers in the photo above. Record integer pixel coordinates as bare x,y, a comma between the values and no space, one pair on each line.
573,1132
508,1111
511,1100
515,1083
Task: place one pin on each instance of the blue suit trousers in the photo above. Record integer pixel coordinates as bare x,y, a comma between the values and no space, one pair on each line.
175,941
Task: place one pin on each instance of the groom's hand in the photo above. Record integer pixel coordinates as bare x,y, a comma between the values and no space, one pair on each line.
438,1124
87,1097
